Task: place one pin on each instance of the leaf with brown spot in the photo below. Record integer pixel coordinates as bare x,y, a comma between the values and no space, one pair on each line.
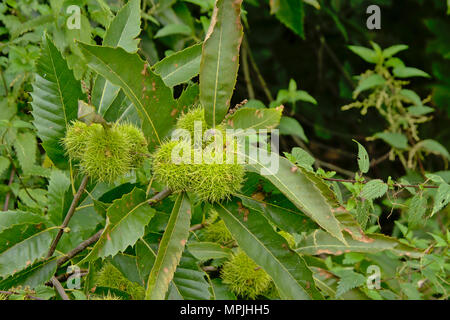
218,69
170,249
126,221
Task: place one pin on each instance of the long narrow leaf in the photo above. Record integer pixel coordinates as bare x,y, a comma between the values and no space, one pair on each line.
170,249
270,250
220,60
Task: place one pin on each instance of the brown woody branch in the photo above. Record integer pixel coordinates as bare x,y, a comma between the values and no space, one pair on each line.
69,215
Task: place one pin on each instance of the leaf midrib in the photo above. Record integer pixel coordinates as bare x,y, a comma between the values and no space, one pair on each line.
262,244
129,89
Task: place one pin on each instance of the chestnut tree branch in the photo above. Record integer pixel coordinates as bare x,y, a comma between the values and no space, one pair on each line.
69,215
59,288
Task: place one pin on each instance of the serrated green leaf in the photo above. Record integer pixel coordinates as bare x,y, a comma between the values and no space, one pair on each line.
349,280
25,252
416,209
180,66
31,24
362,212
363,158
127,218
408,72
433,146
328,283
300,190
58,184
393,50
419,110
103,94
173,29
290,13
8,219
373,189
127,265
26,147
367,54
270,250
189,281
55,101
145,89
170,249
290,126
4,164
250,118
303,158
204,251
412,96
125,27
122,32
285,219
33,276
220,60
442,197
374,80
396,140
145,258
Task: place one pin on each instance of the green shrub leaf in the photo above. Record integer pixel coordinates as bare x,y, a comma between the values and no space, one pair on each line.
55,101
127,218
270,250
374,189
180,66
301,191
145,89
170,249
220,60
250,118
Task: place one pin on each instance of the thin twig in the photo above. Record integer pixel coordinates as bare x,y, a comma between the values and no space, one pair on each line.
337,62
69,215
65,276
258,73
248,81
8,195
209,269
160,196
83,245
11,160
197,227
59,288
384,157
398,185
86,243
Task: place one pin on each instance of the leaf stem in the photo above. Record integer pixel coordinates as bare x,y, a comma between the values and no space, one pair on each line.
248,82
83,245
258,73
